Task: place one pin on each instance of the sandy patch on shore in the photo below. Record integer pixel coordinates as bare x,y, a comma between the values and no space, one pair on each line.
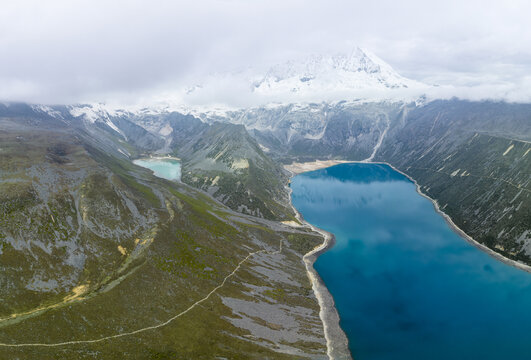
298,168
291,223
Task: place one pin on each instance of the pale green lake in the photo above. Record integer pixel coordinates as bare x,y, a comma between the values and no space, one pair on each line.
164,168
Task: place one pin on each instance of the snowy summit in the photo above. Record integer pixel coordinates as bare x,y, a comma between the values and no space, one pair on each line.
359,74
357,71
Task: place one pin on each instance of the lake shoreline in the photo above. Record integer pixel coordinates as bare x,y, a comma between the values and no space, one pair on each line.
484,278
336,339
171,171
459,231
299,168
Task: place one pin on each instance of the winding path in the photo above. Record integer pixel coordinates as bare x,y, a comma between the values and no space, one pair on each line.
153,327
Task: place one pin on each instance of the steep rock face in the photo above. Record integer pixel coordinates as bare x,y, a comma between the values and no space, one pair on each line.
348,130
116,127
138,136
113,131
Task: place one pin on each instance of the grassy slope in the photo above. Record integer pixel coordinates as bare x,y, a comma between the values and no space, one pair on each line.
179,245
455,150
226,161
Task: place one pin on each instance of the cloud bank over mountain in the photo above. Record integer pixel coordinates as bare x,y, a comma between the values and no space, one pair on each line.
133,51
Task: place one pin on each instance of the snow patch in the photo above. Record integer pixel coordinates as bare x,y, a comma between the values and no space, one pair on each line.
124,152
47,110
508,149
240,164
98,113
166,130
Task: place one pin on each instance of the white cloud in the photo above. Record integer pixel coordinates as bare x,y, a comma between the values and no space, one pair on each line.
72,51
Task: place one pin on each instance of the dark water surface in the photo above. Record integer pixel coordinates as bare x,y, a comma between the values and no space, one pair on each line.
405,285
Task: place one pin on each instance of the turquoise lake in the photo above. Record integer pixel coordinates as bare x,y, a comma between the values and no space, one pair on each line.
165,168
405,285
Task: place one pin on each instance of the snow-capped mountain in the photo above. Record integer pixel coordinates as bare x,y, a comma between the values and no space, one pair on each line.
314,78
291,103
296,97
359,70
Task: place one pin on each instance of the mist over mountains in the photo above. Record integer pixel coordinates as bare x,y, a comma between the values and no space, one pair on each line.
357,75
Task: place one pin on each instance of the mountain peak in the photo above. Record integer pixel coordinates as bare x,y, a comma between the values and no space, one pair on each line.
316,64
358,70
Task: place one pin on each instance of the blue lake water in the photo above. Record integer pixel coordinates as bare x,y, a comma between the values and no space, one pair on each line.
165,168
405,285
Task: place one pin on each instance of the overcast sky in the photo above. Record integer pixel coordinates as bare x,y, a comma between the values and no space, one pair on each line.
86,51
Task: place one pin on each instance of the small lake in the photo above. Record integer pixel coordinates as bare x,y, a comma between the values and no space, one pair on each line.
405,285
164,168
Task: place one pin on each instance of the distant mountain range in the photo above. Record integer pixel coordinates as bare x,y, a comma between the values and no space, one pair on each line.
422,138
357,78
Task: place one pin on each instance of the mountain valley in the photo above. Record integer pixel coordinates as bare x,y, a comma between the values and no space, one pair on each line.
95,250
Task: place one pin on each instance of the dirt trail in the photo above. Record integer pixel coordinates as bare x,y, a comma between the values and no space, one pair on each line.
147,328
